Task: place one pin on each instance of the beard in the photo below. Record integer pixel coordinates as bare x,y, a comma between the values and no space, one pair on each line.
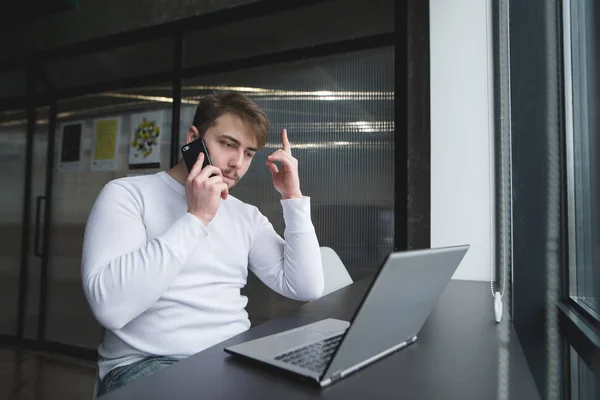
230,177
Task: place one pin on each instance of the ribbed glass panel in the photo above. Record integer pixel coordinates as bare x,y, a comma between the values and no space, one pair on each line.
339,113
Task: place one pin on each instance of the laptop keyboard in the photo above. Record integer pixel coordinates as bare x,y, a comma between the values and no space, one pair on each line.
314,357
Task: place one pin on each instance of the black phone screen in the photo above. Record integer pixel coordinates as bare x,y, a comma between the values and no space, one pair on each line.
192,150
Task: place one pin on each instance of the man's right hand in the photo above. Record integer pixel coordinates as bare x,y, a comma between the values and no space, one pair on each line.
204,188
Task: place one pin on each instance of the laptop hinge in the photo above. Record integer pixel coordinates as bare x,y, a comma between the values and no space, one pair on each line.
337,375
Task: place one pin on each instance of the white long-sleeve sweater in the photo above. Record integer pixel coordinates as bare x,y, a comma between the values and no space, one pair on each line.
162,283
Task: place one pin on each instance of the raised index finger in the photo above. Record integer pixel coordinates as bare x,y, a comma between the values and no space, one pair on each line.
285,142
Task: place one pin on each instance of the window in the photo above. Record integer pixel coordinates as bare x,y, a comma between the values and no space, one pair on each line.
583,152
581,49
584,385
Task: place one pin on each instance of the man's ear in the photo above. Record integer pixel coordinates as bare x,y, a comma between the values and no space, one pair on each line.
192,134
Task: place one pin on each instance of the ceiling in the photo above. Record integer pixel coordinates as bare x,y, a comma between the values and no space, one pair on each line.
15,12
205,46
18,20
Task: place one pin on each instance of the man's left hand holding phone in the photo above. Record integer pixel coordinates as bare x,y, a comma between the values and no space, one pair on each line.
204,186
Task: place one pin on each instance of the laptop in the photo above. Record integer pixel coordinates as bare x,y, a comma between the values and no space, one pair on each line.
406,289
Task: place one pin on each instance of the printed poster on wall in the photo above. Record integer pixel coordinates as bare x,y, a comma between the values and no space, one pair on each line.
106,135
70,146
145,138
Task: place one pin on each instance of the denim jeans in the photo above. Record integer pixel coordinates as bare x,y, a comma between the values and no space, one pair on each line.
126,374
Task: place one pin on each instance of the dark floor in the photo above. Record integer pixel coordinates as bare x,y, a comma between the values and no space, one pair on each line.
37,376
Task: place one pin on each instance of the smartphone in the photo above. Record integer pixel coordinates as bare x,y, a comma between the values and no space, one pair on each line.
192,150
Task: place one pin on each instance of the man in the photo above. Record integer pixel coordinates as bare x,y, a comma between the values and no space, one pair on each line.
165,255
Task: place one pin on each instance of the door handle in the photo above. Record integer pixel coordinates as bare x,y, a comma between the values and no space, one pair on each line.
38,206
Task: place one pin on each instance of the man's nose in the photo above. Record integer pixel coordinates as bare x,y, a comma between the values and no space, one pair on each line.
236,160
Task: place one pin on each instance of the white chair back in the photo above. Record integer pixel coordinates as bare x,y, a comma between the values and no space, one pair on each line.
334,271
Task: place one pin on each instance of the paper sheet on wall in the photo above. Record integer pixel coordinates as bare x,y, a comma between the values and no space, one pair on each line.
70,147
106,135
146,135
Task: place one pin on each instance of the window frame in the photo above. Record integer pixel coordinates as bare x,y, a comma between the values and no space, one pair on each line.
580,328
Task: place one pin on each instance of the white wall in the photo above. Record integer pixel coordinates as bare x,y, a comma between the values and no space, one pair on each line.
461,88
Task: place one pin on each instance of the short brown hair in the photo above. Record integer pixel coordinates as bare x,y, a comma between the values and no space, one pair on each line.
212,106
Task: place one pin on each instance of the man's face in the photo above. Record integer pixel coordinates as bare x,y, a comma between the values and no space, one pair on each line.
231,145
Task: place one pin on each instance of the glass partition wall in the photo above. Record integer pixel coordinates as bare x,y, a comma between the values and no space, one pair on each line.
105,126
339,113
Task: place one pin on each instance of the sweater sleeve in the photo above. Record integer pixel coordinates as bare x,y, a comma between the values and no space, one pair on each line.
123,274
292,267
